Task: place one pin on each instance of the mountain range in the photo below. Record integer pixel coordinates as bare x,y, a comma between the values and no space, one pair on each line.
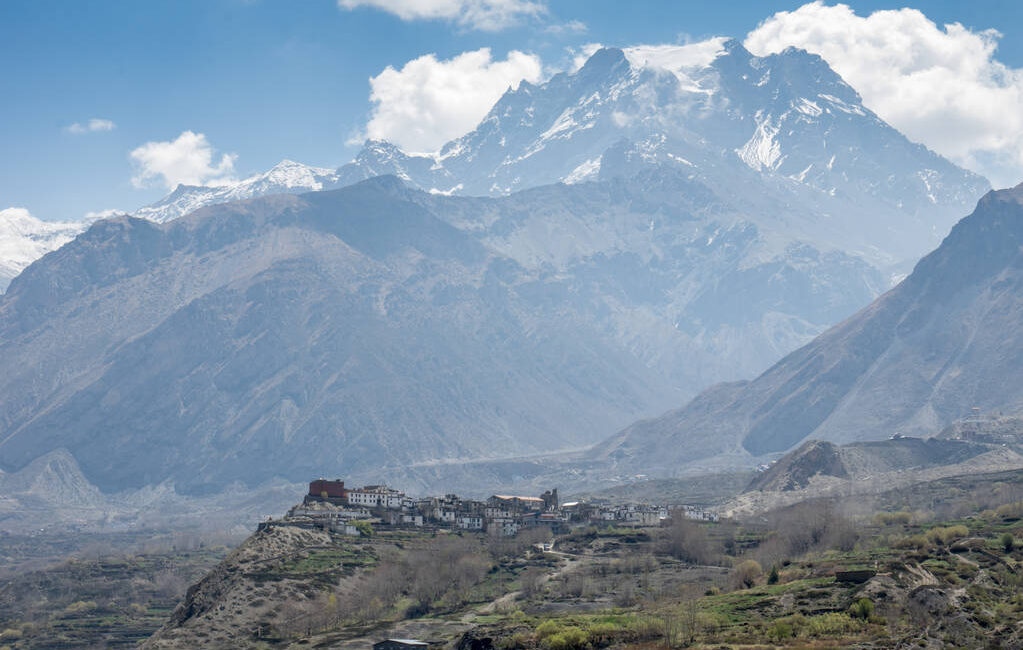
942,343
783,137
662,219
781,134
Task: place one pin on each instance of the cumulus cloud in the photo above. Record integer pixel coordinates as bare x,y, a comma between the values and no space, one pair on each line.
940,85
92,126
431,101
188,160
487,15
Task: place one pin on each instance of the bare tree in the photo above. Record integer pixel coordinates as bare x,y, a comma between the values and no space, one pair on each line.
685,540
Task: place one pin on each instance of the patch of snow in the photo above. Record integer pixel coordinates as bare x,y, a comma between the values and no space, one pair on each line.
762,151
806,107
841,105
680,159
585,171
924,176
802,175
448,192
564,122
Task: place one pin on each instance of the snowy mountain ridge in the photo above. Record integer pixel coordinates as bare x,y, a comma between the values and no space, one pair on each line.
783,130
286,177
24,239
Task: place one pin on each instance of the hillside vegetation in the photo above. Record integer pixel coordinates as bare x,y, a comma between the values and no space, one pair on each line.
935,566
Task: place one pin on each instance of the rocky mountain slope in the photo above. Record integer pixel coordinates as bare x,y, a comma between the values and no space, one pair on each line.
943,341
863,460
302,335
24,239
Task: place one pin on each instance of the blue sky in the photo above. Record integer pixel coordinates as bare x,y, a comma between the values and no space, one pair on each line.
268,79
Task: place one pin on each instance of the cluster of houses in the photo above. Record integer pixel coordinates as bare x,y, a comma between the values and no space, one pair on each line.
331,505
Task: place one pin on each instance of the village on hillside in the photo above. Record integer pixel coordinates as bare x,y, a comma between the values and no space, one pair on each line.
332,506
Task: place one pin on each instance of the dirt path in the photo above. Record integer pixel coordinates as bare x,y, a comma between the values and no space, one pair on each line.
505,601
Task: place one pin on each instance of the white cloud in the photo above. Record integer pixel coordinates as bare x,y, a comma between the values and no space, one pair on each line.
941,86
487,15
429,101
571,27
187,160
92,126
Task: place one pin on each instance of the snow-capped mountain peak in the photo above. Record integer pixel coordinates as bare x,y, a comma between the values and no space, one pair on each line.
286,176
783,129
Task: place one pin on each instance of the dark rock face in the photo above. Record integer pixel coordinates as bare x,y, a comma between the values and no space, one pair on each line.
945,340
475,640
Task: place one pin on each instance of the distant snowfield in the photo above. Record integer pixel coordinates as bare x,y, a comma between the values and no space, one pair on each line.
24,239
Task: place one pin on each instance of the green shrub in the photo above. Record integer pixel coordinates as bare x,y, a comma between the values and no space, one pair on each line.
1010,510
892,518
1008,542
547,628
944,535
781,629
919,542
80,606
569,638
604,632
862,609
832,623
516,640
772,578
